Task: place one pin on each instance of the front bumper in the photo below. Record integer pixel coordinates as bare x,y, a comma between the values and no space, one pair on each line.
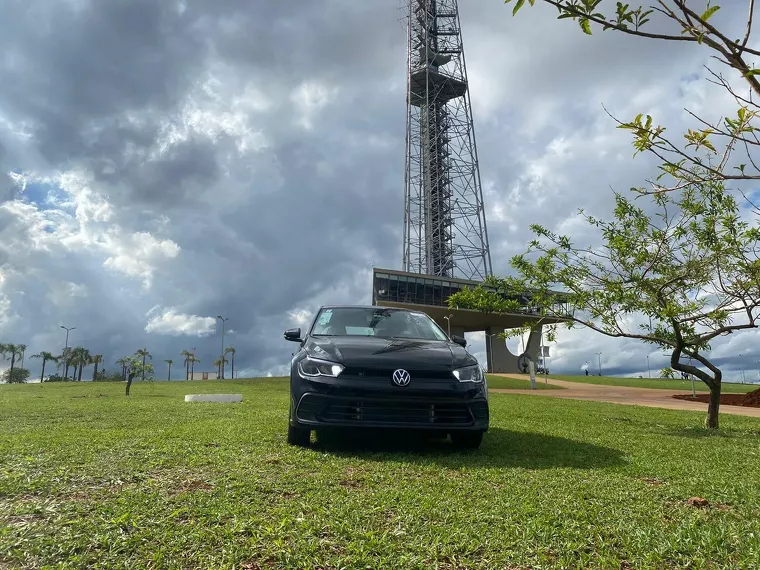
352,402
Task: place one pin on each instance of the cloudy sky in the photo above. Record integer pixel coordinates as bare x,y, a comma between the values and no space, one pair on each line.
163,162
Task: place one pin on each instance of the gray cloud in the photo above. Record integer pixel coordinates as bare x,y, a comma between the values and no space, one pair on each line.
265,140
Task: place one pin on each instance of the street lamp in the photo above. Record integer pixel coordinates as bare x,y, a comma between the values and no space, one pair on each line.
448,324
599,356
66,348
490,349
221,376
648,368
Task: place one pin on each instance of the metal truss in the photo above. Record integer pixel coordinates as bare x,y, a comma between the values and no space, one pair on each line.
445,229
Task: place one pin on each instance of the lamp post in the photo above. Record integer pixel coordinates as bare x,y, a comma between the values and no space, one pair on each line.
221,376
66,348
448,324
490,349
648,367
599,356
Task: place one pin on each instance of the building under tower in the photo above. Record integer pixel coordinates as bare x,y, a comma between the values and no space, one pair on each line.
445,235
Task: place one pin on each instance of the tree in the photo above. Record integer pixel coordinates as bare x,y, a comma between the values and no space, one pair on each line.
667,372
22,350
193,360
189,355
143,353
96,359
15,375
45,356
123,362
10,352
80,357
231,350
137,366
692,269
710,145
220,363
169,362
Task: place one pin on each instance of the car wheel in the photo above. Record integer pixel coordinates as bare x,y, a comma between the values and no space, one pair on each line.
298,436
467,439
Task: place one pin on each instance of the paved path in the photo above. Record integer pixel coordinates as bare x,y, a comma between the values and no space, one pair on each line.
652,397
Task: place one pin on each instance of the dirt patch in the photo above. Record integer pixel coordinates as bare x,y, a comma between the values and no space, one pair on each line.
749,400
194,485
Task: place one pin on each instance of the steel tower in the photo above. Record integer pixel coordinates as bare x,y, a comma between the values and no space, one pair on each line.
444,221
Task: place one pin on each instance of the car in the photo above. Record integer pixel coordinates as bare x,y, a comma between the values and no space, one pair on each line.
384,367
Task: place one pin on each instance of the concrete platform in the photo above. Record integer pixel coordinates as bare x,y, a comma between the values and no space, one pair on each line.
218,398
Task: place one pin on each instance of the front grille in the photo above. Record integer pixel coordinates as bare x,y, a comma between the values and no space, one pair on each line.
387,373
393,412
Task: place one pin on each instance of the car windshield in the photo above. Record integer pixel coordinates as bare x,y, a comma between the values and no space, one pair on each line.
376,321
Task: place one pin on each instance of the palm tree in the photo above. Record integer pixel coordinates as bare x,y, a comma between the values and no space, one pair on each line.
45,356
188,354
231,350
193,360
219,363
123,362
80,357
14,351
96,359
143,352
66,356
169,362
22,349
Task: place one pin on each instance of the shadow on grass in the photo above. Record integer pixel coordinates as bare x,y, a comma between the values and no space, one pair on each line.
500,448
703,432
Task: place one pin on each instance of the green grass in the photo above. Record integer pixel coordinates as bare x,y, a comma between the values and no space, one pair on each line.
90,478
663,384
504,382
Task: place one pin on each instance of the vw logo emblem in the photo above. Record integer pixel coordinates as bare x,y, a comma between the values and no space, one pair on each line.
401,378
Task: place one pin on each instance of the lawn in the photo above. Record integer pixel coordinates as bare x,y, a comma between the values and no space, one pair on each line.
518,383
91,478
662,383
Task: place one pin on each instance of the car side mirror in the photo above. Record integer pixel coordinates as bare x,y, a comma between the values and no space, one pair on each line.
460,340
293,335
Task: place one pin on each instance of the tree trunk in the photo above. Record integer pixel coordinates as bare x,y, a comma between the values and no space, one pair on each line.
169,376
714,405
13,362
187,371
233,367
81,369
95,372
129,381
42,374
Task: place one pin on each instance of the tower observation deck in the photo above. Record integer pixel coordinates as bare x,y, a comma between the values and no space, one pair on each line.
445,231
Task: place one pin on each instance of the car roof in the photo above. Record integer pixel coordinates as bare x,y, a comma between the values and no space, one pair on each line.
363,307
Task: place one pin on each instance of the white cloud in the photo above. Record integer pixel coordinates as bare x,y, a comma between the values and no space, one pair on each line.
170,322
66,293
310,97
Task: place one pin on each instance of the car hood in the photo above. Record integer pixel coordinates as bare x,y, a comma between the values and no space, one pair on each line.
385,353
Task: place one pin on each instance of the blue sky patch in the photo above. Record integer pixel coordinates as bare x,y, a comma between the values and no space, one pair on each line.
43,195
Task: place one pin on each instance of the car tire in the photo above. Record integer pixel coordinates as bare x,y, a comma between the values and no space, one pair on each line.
467,439
299,436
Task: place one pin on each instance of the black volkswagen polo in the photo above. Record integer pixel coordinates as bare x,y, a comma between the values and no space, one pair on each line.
378,367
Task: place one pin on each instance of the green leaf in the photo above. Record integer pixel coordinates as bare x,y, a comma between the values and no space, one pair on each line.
585,26
519,4
709,12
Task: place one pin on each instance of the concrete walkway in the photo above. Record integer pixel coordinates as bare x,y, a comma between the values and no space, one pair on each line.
651,397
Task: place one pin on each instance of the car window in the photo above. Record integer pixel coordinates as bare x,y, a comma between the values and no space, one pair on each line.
380,322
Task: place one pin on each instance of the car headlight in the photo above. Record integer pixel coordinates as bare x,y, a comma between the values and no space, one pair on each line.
314,367
469,374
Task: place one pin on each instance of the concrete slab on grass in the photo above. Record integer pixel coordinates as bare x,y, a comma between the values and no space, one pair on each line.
219,398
